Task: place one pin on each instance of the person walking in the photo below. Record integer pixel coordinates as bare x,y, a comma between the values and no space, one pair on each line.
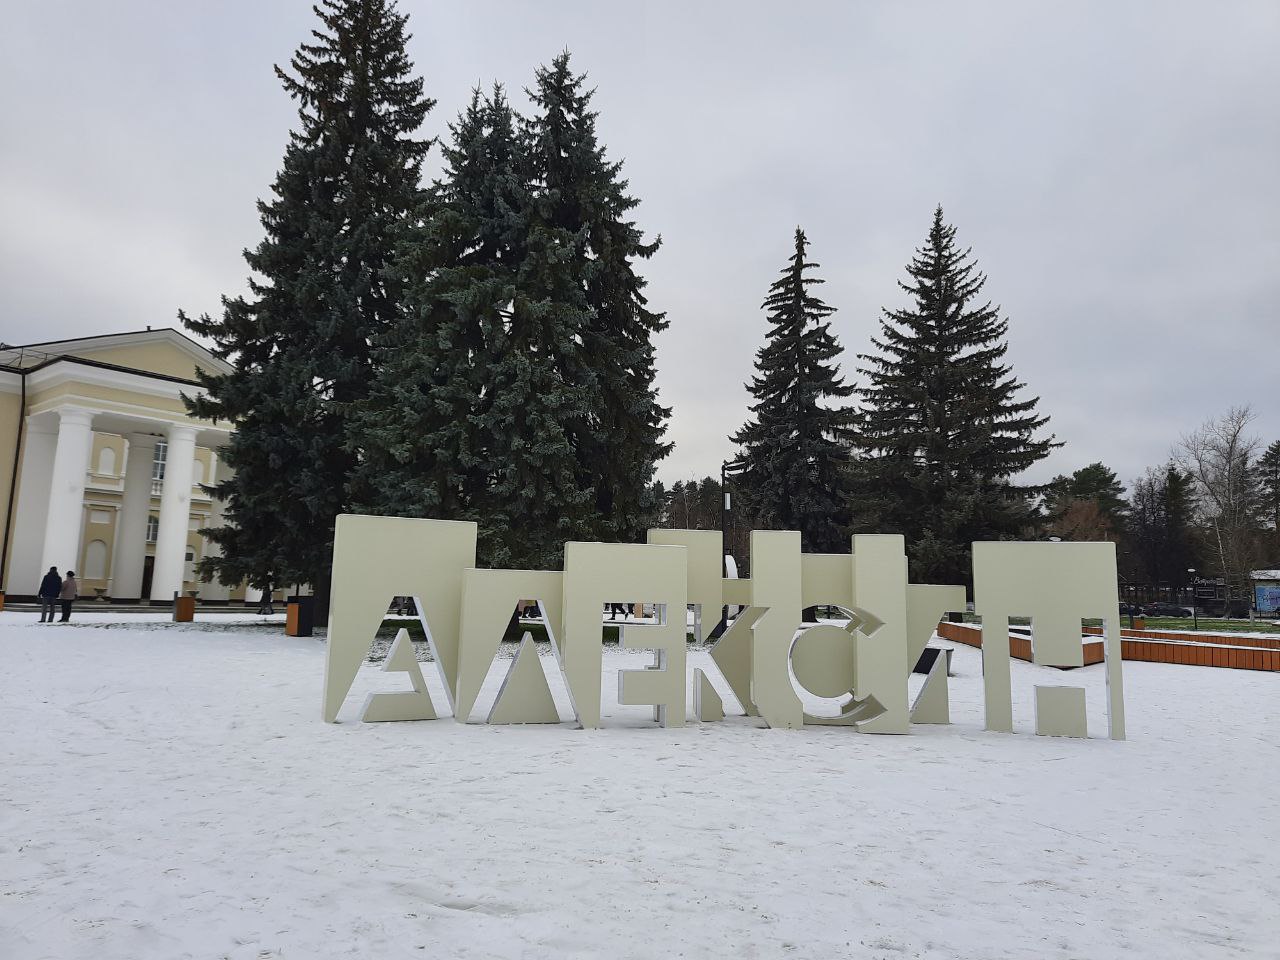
50,587
67,595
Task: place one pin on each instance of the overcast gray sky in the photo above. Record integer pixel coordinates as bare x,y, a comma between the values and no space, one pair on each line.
1113,165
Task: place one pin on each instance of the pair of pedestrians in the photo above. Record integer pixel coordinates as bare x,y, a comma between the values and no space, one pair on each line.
55,590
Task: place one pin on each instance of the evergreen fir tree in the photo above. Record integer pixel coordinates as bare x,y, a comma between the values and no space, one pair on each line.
1268,470
1161,511
795,450
321,292
583,194
1178,510
1096,487
417,434
543,399
941,429
658,491
692,505
484,385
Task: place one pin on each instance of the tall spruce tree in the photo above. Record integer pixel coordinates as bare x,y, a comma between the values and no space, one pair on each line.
417,434
795,449
1180,550
941,429
1268,470
542,389
484,384
582,193
1161,511
693,505
321,292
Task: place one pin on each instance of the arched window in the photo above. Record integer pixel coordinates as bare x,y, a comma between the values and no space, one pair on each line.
95,560
107,462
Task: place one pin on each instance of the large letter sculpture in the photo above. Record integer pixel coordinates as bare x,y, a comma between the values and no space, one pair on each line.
825,658
704,551
866,662
927,603
775,588
600,573
1056,585
488,597
377,558
766,656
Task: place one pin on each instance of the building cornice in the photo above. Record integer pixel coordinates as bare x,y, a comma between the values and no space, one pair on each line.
68,370
78,367
176,338
155,419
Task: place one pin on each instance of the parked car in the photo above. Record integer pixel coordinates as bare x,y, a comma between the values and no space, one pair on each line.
1130,609
1167,610
1236,609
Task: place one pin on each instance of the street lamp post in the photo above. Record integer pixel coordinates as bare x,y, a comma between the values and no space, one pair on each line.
724,518
1195,620
725,506
728,468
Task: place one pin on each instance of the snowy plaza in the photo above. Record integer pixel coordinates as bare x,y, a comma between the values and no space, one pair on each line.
170,791
592,481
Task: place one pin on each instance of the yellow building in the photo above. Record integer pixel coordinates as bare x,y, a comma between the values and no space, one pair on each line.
100,465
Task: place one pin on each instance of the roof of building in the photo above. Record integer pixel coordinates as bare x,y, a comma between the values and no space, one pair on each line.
34,356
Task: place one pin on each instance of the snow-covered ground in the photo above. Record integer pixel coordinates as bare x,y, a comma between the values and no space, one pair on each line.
169,791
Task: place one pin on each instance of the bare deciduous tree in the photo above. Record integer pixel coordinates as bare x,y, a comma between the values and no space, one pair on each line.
1219,458
1081,520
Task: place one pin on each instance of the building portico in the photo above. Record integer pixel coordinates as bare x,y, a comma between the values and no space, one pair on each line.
108,466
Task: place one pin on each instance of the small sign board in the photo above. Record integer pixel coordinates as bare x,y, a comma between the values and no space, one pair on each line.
1267,598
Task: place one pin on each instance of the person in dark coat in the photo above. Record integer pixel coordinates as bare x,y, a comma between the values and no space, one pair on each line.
50,587
67,595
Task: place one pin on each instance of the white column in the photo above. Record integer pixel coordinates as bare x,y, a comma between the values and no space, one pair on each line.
175,513
32,511
65,522
131,523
